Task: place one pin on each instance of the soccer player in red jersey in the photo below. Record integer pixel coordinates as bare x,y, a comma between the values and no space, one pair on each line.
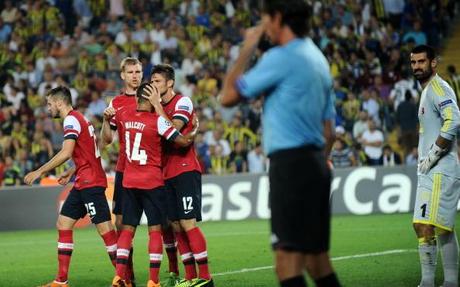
88,193
143,179
131,74
182,174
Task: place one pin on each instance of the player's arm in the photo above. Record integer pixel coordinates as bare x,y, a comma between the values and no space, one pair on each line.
444,103
230,94
64,177
62,156
329,120
329,136
108,127
169,132
155,100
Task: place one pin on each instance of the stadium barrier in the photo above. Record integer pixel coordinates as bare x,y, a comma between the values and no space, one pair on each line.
359,191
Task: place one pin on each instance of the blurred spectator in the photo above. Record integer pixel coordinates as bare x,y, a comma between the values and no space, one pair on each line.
342,155
407,119
257,162
416,34
217,140
237,133
454,81
351,109
412,157
12,173
237,160
5,31
97,105
398,93
372,141
9,13
202,151
389,157
219,161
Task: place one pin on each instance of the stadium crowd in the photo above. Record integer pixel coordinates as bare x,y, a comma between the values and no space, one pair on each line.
80,43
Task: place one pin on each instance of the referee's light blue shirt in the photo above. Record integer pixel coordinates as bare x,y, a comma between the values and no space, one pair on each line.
297,85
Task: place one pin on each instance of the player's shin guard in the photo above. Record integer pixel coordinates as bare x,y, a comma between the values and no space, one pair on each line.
170,245
124,245
156,254
427,250
65,248
186,255
448,244
110,241
198,245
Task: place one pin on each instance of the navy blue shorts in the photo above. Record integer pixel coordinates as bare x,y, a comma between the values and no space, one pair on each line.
151,201
299,198
118,191
184,196
90,200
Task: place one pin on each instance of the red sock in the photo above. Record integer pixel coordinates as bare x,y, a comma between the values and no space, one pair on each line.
110,240
65,248
155,253
186,255
197,243
130,267
124,244
170,245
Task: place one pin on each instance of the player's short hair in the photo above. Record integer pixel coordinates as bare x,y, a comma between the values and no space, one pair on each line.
128,61
296,14
430,53
141,92
451,69
165,70
62,93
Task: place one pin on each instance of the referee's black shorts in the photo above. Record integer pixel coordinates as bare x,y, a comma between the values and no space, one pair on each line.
299,200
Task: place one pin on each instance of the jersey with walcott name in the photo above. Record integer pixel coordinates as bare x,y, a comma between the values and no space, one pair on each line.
89,171
177,160
120,103
142,132
439,115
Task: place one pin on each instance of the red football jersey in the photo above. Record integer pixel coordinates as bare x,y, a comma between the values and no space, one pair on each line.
119,103
89,171
177,160
143,131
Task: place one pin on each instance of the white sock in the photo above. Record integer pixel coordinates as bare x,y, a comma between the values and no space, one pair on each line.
428,257
448,244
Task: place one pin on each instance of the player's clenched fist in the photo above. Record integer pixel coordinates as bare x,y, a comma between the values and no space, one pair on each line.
31,177
109,113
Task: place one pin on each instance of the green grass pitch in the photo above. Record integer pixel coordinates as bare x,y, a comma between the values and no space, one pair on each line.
368,251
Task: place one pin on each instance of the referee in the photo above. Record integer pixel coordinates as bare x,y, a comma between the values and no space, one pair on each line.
297,135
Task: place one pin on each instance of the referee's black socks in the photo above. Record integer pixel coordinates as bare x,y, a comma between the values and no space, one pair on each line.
328,281
298,281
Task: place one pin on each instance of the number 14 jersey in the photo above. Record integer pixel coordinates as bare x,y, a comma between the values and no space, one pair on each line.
143,131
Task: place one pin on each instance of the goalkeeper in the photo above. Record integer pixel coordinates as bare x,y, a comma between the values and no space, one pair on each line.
438,186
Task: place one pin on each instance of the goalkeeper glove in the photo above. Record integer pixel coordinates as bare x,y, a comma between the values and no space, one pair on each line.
434,154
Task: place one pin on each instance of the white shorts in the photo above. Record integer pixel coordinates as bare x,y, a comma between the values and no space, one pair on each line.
436,200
